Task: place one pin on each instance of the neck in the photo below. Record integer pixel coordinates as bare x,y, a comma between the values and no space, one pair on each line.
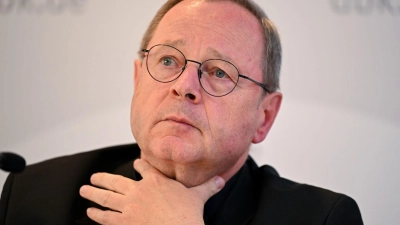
192,174
228,174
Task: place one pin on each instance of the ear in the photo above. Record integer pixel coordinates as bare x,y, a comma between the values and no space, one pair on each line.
137,67
268,110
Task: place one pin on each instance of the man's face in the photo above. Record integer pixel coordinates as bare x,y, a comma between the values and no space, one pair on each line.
182,131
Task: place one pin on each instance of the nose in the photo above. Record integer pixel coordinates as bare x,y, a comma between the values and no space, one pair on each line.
187,86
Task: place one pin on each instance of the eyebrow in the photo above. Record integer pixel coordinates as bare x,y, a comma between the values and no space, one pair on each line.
215,54
175,43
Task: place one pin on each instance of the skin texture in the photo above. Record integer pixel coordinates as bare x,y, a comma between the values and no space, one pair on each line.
191,142
131,204
185,133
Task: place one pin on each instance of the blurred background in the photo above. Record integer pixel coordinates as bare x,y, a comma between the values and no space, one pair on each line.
66,83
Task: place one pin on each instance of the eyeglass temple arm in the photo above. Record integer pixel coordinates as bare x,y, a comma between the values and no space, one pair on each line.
256,82
144,51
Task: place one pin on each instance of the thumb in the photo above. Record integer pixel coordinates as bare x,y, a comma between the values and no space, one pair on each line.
209,188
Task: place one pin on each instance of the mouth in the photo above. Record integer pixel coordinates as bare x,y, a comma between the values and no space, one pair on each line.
181,120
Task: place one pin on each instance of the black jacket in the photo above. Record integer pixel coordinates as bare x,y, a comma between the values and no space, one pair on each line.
47,193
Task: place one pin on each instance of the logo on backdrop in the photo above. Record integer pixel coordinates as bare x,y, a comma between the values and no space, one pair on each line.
42,6
366,7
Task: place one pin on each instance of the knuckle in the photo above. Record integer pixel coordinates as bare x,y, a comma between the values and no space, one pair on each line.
105,198
103,217
114,180
119,183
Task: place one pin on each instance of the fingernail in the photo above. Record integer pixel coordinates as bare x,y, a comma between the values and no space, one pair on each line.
89,211
83,189
220,182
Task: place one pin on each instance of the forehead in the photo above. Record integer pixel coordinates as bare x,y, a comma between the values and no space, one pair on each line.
212,29
210,51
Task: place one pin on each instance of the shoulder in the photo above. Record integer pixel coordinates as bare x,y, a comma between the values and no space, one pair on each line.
87,158
285,201
77,165
53,185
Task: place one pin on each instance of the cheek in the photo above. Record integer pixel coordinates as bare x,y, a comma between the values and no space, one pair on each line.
233,127
147,97
137,122
148,93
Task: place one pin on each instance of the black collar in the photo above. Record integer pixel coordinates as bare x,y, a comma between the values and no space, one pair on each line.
236,203
216,201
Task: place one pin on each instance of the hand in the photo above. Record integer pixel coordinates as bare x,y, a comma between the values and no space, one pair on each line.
154,200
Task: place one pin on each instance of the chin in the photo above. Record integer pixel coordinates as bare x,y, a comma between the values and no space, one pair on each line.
174,149
187,171
191,177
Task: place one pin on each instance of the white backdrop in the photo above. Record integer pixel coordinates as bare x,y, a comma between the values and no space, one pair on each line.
66,83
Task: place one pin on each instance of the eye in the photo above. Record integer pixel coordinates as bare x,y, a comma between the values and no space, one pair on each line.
167,61
220,73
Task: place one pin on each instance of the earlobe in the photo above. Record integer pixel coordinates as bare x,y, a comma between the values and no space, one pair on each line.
269,108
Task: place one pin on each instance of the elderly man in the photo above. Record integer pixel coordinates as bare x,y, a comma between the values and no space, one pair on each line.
205,89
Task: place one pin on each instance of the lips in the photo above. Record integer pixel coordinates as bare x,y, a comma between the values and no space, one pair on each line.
178,119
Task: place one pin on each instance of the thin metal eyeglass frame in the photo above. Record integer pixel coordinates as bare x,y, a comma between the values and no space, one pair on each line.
263,86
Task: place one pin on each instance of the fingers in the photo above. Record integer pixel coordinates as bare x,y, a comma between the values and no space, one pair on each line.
102,197
144,168
104,217
112,182
204,191
209,188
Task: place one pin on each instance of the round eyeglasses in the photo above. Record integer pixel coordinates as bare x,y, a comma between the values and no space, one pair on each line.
217,77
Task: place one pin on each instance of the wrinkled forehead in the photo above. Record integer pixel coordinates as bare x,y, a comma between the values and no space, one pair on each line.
219,29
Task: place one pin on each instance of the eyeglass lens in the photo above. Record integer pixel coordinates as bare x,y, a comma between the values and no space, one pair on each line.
217,77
